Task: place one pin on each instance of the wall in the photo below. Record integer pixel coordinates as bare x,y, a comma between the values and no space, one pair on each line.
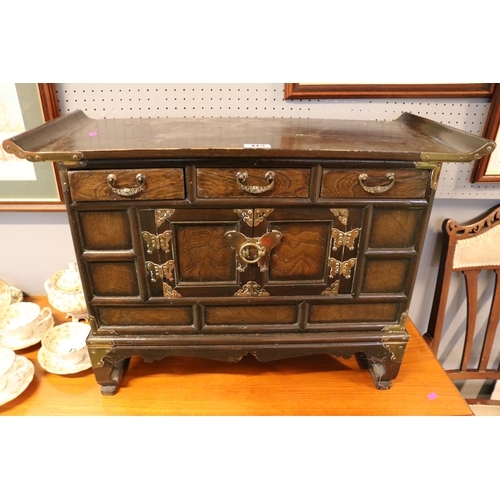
35,245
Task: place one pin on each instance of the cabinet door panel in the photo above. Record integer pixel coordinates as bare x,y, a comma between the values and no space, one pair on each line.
203,255
301,256
318,251
199,261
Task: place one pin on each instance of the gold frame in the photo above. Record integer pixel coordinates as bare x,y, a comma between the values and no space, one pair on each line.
345,91
49,110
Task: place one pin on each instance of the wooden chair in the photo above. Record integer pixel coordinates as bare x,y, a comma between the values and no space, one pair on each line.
469,250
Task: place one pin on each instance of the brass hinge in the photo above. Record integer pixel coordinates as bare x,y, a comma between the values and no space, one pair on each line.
253,217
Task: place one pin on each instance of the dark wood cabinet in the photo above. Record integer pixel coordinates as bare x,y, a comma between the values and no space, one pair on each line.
227,237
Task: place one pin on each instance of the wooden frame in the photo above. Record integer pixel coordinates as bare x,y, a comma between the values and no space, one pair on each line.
483,169
339,91
49,110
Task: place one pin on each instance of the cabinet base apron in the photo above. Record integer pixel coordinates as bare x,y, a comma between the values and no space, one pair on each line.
382,358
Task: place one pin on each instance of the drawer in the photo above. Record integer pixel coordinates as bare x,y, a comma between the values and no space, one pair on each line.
130,184
253,182
376,183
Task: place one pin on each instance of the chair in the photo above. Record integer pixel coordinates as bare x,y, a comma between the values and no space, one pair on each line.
470,250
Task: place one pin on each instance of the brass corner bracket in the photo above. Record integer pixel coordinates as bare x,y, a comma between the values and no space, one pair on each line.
436,170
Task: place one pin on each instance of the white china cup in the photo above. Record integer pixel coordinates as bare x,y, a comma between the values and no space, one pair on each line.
5,295
23,320
67,341
7,358
65,293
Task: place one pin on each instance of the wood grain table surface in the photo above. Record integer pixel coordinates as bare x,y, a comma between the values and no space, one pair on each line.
309,386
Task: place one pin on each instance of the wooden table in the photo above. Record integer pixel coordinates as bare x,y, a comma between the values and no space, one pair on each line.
314,385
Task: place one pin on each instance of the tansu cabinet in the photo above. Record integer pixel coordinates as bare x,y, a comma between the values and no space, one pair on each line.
225,237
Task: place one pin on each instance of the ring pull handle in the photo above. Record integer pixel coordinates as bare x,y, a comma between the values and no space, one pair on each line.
377,189
241,177
127,191
246,256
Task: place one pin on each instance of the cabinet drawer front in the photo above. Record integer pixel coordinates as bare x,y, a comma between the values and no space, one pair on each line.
377,183
145,316
157,184
223,182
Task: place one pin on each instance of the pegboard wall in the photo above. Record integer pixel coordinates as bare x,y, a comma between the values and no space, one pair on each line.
112,100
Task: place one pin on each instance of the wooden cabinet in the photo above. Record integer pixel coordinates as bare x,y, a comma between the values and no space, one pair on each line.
221,238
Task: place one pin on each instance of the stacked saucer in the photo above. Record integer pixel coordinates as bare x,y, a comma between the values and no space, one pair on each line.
64,350
16,373
23,324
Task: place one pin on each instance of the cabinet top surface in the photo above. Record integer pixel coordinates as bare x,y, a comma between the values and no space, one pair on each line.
76,136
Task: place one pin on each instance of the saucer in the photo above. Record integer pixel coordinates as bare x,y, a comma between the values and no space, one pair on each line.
21,376
54,364
17,345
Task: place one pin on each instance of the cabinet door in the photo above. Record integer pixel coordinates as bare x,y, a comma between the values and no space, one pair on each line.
188,254
318,251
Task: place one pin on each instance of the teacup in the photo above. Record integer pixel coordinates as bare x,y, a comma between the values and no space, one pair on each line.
7,358
5,295
67,341
22,320
65,293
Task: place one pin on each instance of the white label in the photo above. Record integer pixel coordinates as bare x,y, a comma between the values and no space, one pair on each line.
257,146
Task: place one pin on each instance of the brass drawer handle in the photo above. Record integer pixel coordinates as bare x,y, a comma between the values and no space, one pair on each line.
377,189
242,177
127,191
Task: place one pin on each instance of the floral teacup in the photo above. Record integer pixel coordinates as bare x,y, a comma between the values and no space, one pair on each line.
67,341
23,320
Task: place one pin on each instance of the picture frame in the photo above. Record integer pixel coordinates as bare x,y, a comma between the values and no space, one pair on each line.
487,169
356,90
39,189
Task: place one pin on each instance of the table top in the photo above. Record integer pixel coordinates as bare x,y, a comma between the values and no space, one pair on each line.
309,386
75,136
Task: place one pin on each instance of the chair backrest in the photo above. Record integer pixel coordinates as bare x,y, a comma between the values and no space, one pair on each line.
469,249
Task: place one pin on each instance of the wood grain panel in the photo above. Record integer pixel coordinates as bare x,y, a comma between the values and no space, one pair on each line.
251,315
221,182
203,253
302,252
385,275
345,183
394,228
354,313
114,279
146,316
106,230
161,184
